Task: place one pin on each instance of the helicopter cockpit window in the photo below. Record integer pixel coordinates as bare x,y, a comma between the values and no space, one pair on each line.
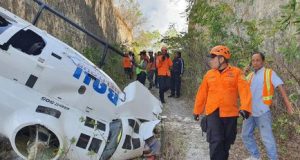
27,41
115,133
83,141
95,145
4,24
136,143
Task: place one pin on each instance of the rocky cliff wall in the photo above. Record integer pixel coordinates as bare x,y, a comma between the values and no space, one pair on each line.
260,10
253,10
97,16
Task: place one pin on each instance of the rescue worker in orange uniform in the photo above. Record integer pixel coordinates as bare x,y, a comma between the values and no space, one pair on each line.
127,65
163,65
217,98
263,82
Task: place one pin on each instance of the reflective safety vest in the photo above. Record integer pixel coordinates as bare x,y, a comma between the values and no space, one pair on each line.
268,88
138,70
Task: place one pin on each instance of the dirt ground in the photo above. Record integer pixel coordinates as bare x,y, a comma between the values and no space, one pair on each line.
6,152
184,140
181,135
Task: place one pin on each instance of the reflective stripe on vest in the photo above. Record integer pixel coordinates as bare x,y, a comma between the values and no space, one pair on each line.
268,88
139,70
250,77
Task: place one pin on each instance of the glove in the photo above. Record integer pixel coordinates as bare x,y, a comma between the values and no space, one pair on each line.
196,117
244,114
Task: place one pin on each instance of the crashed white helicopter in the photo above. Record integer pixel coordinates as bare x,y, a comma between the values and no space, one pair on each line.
56,104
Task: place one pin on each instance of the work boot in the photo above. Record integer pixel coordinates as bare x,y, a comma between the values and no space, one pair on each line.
162,100
177,96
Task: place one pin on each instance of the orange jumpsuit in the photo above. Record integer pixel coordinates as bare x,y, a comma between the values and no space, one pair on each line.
221,90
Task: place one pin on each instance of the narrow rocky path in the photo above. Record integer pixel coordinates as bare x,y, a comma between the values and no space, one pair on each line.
182,138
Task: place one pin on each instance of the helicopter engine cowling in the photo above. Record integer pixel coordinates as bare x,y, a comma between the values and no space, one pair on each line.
32,140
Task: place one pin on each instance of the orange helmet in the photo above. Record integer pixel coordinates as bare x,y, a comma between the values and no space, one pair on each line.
221,50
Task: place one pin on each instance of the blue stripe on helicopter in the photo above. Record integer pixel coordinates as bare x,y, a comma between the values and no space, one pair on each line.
100,88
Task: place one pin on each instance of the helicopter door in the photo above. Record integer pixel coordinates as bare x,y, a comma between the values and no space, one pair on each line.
25,56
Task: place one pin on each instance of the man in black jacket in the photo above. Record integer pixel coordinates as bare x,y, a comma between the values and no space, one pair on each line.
176,73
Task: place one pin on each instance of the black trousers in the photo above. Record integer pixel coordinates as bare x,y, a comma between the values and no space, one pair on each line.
128,72
141,77
164,85
175,84
156,82
150,78
221,134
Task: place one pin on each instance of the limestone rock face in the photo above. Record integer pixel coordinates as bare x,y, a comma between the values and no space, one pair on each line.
259,10
253,10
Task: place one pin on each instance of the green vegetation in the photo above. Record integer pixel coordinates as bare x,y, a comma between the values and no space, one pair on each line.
132,14
145,40
213,23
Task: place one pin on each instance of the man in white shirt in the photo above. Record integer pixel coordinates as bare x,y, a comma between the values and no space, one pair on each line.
263,82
